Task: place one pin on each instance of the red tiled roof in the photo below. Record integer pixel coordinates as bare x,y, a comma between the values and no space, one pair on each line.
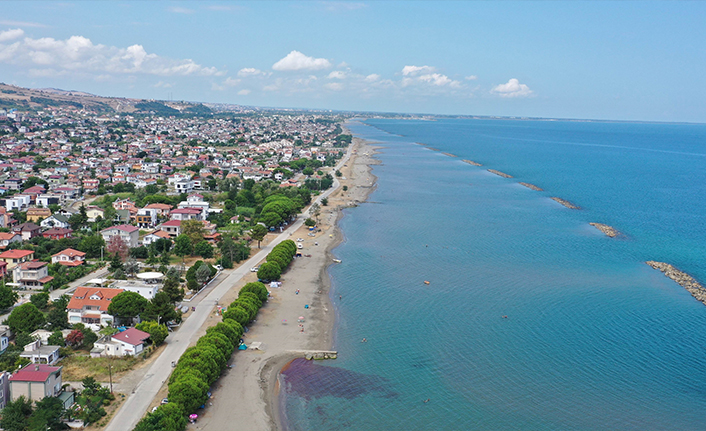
131,336
34,373
124,227
82,297
15,254
172,223
70,252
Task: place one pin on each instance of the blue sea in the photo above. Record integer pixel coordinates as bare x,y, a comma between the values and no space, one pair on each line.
594,339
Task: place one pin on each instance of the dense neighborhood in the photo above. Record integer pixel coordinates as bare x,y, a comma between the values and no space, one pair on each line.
109,222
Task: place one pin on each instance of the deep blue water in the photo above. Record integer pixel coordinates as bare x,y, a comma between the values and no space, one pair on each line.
594,339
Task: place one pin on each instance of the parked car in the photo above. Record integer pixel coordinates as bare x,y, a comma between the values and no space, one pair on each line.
254,269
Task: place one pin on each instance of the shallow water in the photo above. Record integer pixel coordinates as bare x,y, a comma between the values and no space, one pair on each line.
593,339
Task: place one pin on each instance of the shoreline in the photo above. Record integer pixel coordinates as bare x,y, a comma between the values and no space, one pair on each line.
249,391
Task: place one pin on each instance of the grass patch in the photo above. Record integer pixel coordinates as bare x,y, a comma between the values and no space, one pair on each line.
76,368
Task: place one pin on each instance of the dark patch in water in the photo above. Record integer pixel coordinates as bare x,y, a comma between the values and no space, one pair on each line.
309,380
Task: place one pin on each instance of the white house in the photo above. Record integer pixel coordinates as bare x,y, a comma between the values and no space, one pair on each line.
89,305
130,342
129,234
154,236
56,220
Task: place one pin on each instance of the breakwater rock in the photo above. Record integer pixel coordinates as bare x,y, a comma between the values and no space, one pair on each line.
471,162
532,187
681,278
502,174
449,154
608,230
566,203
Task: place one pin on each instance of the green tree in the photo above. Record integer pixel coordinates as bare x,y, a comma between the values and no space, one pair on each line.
25,318
310,222
8,297
269,271
91,245
40,300
194,230
57,317
15,414
237,313
258,289
167,417
47,415
127,305
56,339
258,233
158,333
173,288
188,392
160,309
204,249
182,246
202,274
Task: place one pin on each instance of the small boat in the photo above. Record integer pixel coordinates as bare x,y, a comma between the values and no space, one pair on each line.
337,260
426,282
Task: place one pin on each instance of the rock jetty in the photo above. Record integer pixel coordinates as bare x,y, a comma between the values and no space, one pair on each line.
432,148
502,174
683,279
608,230
471,162
532,187
449,154
566,203
318,356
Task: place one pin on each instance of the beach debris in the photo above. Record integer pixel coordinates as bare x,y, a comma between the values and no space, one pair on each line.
532,187
566,203
427,282
471,162
337,260
686,281
502,174
608,230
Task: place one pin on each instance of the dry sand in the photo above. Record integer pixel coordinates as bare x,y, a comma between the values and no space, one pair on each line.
246,395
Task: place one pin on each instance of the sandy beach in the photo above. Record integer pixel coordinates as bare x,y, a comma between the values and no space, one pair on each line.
247,393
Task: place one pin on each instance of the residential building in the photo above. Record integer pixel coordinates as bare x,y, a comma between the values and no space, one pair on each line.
56,220
126,343
162,209
36,381
154,236
69,257
46,199
89,305
7,238
28,230
129,234
187,214
93,212
13,183
146,217
40,354
15,257
5,334
172,227
38,214
57,233
31,275
4,389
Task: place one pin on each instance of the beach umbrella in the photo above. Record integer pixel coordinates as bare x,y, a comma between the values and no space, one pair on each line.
284,321
301,318
193,416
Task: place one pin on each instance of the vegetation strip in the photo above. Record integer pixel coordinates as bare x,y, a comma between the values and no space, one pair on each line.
683,279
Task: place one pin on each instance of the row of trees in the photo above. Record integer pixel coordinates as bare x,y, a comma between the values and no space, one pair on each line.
277,261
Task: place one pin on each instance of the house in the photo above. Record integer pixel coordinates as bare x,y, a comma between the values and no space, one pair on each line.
39,354
184,186
172,227
162,209
56,220
68,192
69,257
31,275
14,257
36,381
127,343
28,230
146,217
129,234
89,305
154,236
187,214
5,335
6,238
57,233
37,214
195,200
93,212
13,183
46,199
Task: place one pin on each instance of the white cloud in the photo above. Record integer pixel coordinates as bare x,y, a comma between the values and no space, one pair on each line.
11,34
335,86
230,82
162,84
512,88
416,70
243,92
250,71
79,54
372,77
436,79
337,74
471,78
182,10
295,60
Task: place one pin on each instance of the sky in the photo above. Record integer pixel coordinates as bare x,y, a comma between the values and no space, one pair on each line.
631,60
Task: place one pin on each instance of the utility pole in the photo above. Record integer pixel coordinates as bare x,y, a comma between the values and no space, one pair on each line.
110,374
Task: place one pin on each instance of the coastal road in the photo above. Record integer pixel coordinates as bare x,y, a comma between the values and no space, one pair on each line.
137,402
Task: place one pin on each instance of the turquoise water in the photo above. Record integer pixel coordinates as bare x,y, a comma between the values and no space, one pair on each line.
594,339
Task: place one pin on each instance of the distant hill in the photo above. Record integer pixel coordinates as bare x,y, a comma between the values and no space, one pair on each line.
13,97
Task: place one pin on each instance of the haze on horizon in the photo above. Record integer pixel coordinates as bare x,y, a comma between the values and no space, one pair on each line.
593,60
